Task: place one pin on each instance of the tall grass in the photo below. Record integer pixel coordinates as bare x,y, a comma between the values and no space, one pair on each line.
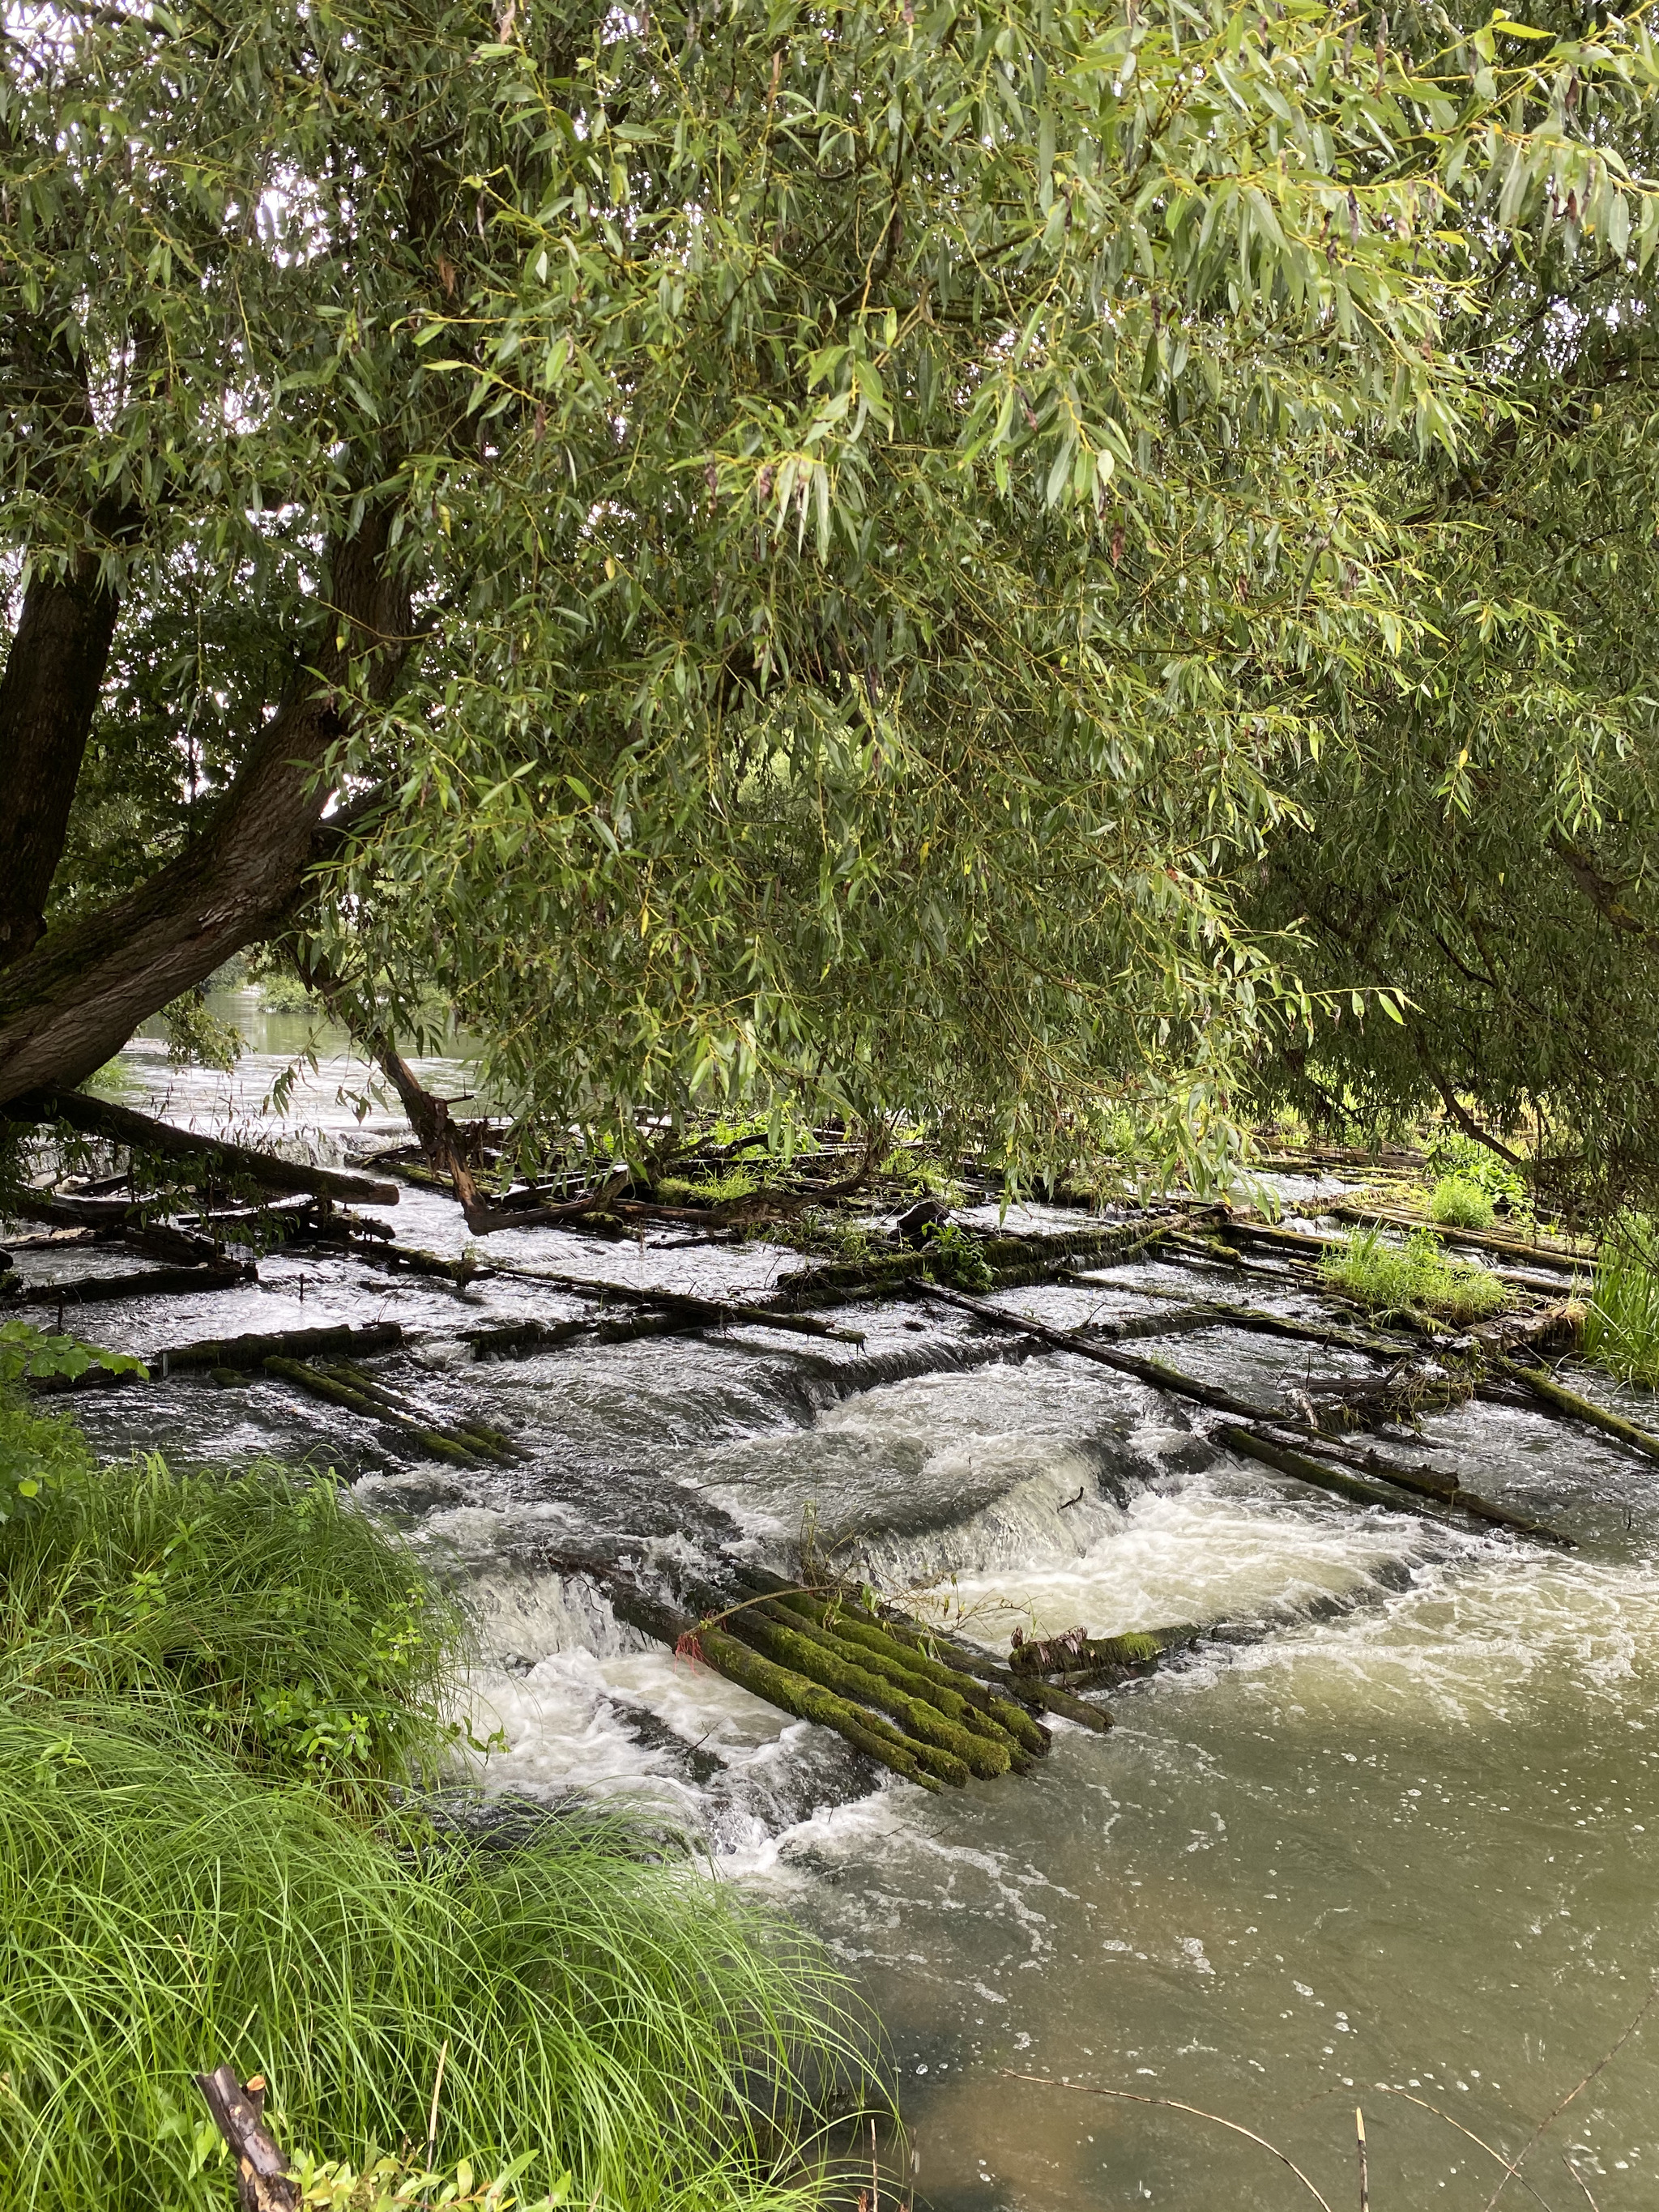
298,1638
1456,1202
185,1877
1622,1326
1414,1277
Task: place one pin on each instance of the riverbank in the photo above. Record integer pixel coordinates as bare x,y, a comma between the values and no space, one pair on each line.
224,1699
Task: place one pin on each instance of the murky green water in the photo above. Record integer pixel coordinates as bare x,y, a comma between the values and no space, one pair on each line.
1396,1848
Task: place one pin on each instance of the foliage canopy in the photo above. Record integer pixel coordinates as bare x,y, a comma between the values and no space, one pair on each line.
755,545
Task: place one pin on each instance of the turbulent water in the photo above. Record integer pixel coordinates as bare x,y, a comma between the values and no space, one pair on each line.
1392,1844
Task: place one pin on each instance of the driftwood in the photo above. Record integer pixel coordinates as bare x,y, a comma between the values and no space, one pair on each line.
155,1282
265,2181
141,1132
1422,1482
236,1353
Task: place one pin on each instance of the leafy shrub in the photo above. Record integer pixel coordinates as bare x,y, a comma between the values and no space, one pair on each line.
1621,1326
1415,1276
955,1254
1458,1203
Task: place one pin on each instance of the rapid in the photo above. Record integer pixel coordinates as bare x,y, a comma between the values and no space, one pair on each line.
1387,1840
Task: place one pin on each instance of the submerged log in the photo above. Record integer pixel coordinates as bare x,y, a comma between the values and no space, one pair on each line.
141,1133
720,1313
1382,1476
235,1353
1123,1363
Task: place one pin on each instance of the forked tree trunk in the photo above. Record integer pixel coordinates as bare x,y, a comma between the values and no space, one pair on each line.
74,1000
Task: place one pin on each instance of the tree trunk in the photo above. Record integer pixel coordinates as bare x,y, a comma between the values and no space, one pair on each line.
74,999
47,698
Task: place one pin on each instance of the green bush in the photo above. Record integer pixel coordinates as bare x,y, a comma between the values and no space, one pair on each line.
1414,1277
1458,1203
1621,1324
291,1630
1454,1154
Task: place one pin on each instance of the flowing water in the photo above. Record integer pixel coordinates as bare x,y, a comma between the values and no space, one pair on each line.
1391,1843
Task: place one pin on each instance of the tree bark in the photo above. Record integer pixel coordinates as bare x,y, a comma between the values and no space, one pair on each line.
76,998
47,698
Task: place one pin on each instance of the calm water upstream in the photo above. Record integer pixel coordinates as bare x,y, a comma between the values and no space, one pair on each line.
1399,1850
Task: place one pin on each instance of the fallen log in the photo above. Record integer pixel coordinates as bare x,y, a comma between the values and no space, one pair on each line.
776,1686
723,1313
141,1132
1555,1393
236,1353
340,1392
1123,1363
947,1687
155,1282
1360,1490
806,1650
940,1647
1136,1651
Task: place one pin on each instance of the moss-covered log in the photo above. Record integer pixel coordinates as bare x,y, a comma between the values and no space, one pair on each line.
956,1694
820,1661
776,1686
341,1393
1557,1395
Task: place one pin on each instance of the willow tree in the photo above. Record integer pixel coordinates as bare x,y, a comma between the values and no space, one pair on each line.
1481,832
737,545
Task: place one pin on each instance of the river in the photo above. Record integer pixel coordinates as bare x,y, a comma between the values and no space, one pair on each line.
1394,1846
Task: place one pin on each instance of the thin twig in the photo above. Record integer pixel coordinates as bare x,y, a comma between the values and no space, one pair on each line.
1364,2170
1172,2105
1424,2105
1580,2179
1551,2116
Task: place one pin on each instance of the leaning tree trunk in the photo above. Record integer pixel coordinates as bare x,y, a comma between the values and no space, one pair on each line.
74,1000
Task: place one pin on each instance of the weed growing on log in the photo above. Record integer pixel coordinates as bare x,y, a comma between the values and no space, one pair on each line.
187,1876
1457,1203
1413,1277
1621,1327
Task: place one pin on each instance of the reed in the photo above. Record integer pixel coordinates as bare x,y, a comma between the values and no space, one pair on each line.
1621,1326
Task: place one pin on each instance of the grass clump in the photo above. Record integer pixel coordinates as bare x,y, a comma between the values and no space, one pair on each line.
1456,1202
1415,1276
216,1698
1621,1323
279,1624
724,1190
